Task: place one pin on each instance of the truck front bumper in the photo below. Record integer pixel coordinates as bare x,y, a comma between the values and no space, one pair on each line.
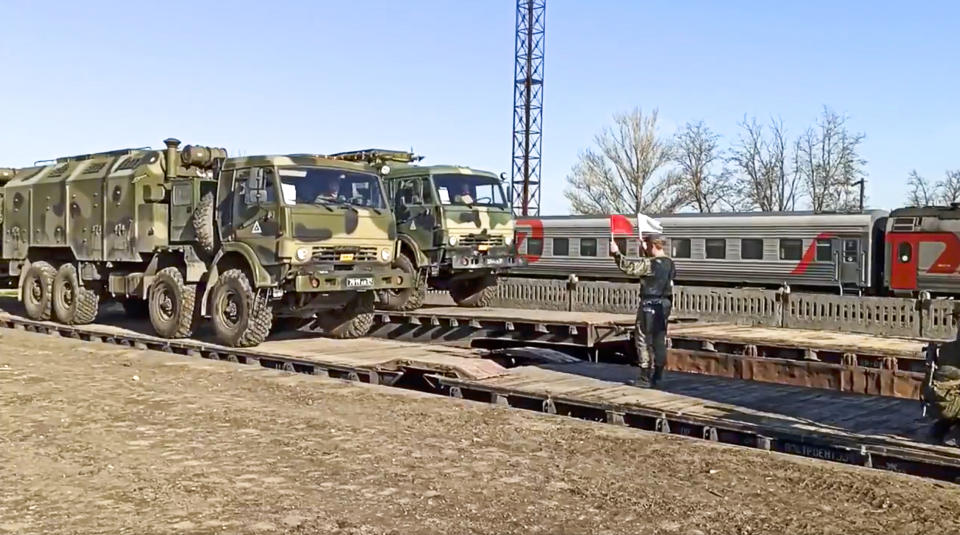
347,281
472,259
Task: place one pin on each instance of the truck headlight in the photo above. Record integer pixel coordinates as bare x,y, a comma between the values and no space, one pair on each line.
508,240
303,253
453,240
385,254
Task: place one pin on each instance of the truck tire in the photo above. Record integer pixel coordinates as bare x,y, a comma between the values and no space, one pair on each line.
351,321
72,303
203,223
241,317
407,298
37,290
171,304
473,293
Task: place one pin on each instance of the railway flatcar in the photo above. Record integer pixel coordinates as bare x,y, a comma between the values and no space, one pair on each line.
836,251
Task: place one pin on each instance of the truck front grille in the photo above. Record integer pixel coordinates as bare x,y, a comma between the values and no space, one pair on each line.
337,254
473,240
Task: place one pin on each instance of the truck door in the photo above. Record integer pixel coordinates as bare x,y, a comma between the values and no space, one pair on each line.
414,210
903,264
255,211
851,267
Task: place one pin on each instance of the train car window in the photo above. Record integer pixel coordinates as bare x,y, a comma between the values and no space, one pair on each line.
680,247
751,249
561,247
824,251
535,246
904,252
621,244
716,248
791,249
850,250
588,247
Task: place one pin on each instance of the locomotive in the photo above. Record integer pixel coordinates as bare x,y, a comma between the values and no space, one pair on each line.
872,252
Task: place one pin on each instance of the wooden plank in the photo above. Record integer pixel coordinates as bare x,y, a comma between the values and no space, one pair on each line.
799,339
778,408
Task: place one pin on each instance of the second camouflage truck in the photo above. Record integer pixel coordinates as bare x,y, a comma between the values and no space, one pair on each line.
182,234
456,229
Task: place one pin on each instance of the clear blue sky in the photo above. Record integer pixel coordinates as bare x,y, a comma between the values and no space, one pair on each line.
297,76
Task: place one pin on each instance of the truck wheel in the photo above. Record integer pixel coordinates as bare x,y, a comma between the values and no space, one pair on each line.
203,223
171,304
37,290
351,321
407,298
73,304
474,293
241,318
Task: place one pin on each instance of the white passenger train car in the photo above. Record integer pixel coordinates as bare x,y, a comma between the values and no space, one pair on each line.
749,249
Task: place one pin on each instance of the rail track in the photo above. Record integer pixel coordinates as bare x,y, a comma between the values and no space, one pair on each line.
878,432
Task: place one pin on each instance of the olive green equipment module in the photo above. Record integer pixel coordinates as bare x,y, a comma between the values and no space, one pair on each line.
455,228
184,234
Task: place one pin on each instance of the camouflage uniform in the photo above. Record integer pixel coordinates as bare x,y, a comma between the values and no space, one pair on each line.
656,290
942,393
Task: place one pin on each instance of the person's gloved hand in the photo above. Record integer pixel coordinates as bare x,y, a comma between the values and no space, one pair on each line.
614,249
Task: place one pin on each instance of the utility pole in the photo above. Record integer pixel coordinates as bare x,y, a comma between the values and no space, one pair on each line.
527,108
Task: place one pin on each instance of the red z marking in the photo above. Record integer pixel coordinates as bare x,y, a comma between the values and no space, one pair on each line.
810,254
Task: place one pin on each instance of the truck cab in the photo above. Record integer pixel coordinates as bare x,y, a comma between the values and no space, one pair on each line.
316,232
455,228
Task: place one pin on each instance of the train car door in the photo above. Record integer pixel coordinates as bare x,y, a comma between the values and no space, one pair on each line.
851,268
903,265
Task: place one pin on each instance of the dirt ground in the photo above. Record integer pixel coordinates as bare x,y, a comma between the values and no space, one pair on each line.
103,439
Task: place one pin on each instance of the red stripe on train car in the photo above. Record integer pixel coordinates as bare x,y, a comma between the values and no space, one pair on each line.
810,254
536,231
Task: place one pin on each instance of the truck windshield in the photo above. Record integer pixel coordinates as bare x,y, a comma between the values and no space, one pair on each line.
318,185
469,190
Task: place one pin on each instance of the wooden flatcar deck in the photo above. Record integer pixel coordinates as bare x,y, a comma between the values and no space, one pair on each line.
870,430
813,343
862,349
375,355
857,429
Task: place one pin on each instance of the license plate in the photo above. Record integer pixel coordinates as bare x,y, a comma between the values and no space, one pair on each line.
494,260
346,257
358,282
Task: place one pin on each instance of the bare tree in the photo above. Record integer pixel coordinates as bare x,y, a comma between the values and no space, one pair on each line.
922,193
828,163
949,188
760,161
625,172
696,152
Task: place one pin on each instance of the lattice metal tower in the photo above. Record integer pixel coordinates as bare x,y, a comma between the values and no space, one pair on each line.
527,108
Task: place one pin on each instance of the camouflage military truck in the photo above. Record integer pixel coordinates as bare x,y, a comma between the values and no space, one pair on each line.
182,234
455,229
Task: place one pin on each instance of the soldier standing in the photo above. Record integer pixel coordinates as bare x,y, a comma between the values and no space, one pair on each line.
656,290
